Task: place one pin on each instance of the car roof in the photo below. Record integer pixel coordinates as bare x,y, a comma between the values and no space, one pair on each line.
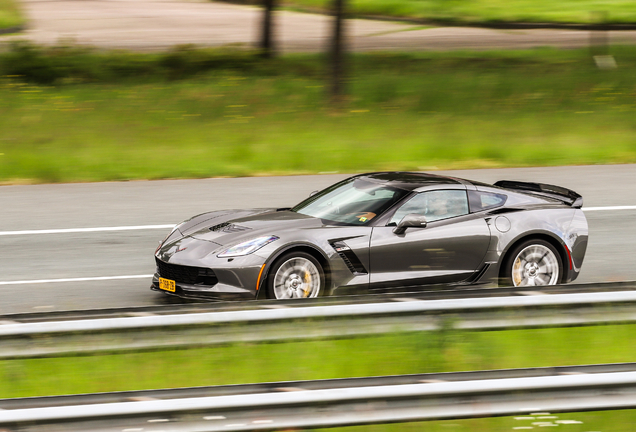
409,180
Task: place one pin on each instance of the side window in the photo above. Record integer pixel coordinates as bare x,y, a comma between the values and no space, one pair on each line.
434,205
485,200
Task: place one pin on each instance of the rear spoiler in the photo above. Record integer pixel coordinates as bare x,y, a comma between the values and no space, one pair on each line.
562,194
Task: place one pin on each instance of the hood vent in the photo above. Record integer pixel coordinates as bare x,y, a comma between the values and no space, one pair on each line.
349,257
228,227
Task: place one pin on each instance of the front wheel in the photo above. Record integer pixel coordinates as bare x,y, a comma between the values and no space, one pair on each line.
295,275
533,263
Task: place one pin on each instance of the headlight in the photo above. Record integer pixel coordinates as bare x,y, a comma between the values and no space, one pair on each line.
247,247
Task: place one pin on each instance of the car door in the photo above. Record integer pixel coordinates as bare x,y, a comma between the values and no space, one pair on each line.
449,249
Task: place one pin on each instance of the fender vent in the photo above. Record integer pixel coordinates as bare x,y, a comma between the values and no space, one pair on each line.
228,227
475,277
349,257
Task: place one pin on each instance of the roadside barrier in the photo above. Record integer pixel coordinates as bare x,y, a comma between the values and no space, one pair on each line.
330,403
300,320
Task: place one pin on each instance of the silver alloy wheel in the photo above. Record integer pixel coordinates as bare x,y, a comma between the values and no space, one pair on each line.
535,265
297,278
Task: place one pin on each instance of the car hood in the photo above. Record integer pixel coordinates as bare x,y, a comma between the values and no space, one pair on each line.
231,229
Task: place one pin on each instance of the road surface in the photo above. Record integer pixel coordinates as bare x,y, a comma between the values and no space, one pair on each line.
151,25
32,264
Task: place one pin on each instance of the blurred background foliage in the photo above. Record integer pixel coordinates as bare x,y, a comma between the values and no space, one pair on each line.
71,64
11,15
74,114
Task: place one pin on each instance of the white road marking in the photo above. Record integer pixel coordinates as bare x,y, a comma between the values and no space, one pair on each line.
609,208
86,230
87,279
150,227
170,226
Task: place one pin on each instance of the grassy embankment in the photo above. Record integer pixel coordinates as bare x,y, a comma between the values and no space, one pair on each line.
382,355
118,116
10,14
479,12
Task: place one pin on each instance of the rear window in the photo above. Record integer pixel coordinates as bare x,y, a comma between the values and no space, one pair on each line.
479,200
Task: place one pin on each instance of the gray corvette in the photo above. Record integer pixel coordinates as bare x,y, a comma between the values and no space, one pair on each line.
379,232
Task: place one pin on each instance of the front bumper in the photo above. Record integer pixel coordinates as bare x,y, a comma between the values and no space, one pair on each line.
230,283
199,292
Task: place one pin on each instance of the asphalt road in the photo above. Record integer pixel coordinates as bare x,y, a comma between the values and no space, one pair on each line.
45,257
159,24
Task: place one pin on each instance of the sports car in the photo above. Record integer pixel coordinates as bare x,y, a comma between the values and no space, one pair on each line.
379,232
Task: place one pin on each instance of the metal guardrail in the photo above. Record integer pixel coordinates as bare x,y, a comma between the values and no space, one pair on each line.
174,305
284,322
329,403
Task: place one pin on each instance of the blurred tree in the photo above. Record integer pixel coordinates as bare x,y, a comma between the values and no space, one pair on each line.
337,50
267,43
337,43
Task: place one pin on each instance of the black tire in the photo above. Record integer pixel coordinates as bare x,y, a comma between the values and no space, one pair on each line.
534,262
295,275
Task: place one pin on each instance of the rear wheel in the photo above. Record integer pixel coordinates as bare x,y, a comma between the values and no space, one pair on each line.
533,263
295,275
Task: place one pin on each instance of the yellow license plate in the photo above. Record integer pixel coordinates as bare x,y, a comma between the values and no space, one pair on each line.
167,285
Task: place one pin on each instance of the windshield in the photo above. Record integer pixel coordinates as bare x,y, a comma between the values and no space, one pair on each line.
355,201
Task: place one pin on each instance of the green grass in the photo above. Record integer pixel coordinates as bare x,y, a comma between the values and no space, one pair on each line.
381,355
488,11
10,14
243,116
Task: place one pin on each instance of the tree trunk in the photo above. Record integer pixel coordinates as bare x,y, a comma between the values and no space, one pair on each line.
267,43
337,51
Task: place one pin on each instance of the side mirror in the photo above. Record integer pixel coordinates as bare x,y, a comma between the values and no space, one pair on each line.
412,220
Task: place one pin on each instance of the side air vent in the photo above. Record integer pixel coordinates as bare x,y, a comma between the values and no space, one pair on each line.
349,257
228,227
479,273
